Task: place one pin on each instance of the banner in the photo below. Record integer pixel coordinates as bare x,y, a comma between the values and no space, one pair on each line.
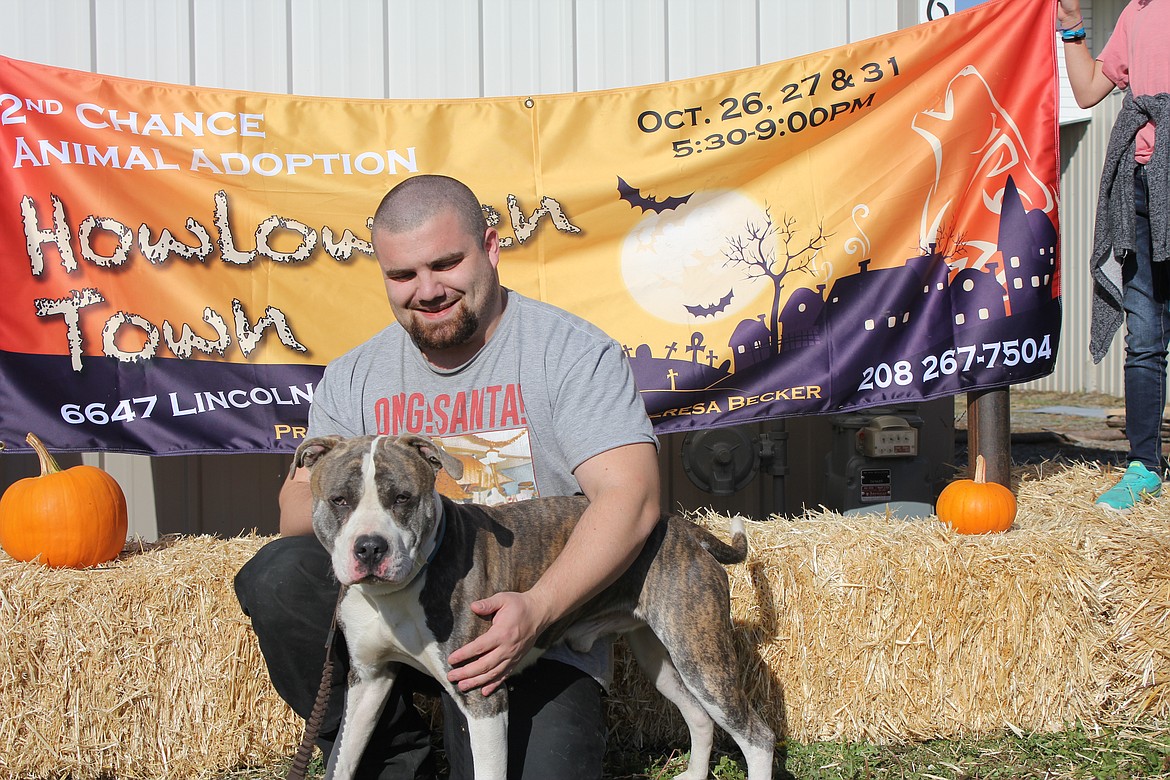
870,224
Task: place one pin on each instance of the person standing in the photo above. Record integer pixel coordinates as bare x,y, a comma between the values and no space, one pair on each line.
1131,274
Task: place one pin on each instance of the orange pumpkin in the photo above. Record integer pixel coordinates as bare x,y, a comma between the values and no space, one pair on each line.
977,506
73,518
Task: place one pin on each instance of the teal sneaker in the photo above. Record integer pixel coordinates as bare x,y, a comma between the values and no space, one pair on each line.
1135,484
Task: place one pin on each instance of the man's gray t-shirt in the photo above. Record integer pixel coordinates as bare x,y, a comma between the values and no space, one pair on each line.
547,392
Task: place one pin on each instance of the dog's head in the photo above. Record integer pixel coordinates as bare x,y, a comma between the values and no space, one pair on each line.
374,505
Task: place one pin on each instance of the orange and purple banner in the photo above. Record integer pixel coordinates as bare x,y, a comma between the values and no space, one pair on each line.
870,224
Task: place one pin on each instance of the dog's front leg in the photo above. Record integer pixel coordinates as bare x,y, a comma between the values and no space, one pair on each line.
364,700
487,731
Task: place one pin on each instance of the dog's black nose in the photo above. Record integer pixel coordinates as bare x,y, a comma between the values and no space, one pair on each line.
369,549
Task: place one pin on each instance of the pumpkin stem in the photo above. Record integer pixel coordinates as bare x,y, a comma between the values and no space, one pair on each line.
48,463
980,470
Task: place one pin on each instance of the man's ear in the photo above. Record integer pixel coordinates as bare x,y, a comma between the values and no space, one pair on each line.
434,454
311,450
491,246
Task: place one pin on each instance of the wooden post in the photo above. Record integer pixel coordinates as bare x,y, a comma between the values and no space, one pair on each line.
989,433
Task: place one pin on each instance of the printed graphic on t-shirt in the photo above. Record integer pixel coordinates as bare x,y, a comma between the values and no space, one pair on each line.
497,467
494,407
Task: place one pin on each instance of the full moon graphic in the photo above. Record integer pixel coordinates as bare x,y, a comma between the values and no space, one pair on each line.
676,258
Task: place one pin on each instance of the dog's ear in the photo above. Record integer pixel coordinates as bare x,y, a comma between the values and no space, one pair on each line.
434,454
311,450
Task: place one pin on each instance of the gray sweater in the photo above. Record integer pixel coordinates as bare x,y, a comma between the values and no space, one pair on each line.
1113,232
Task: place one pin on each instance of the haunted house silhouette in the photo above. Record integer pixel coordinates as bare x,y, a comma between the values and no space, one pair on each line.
880,314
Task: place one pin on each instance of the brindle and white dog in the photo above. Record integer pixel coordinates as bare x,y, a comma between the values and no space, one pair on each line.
411,562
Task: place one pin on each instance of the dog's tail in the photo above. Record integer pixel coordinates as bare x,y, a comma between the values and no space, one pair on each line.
735,552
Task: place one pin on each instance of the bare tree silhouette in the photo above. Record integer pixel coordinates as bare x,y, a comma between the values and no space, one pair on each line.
772,251
949,244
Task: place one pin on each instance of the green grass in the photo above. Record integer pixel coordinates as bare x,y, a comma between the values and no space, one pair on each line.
1076,754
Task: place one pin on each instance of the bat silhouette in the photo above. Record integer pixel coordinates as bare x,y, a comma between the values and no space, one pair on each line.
634,197
713,309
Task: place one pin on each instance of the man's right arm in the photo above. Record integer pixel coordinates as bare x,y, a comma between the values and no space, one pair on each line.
296,504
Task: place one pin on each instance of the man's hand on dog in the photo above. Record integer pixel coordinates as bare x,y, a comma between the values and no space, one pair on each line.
485,662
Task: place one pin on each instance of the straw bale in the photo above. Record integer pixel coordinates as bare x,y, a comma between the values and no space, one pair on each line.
143,668
846,627
880,629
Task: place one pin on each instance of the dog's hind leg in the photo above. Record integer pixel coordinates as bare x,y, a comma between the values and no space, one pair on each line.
708,670
364,701
656,664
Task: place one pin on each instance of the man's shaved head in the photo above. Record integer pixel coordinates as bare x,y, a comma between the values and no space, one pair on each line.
415,200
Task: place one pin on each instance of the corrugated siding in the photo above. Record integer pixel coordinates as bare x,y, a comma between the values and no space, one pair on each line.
456,49
427,49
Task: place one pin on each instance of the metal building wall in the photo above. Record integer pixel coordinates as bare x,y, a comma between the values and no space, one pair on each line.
429,49
414,49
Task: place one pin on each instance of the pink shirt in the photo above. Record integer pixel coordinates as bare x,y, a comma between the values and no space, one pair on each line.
1137,56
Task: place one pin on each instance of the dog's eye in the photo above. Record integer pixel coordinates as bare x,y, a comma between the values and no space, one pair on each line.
339,501
402,498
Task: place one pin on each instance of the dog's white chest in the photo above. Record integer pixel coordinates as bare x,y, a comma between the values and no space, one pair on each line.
389,627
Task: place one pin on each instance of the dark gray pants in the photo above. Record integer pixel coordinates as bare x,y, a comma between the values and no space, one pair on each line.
555,715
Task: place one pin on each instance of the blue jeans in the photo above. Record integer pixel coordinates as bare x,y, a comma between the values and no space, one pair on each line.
1146,300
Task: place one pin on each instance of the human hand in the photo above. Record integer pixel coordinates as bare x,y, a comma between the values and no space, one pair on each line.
1068,13
485,662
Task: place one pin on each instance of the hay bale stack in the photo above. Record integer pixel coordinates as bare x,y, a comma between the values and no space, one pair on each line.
872,628
144,668
1135,555
858,627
